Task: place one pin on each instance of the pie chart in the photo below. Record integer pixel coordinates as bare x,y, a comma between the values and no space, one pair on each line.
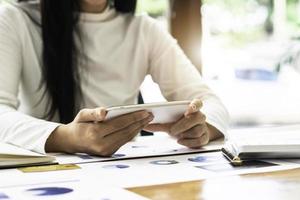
118,155
119,166
198,159
49,191
164,162
3,196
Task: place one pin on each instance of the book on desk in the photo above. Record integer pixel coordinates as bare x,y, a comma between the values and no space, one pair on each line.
262,143
12,156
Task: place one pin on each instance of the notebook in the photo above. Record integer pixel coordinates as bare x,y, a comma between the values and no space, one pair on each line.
12,156
266,142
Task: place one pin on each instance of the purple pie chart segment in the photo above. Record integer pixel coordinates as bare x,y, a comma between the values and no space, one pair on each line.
49,191
198,159
3,196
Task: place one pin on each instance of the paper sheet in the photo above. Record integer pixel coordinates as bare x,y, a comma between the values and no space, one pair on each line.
171,169
147,146
144,171
67,190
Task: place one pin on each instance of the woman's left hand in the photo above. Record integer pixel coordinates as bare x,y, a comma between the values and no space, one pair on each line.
191,130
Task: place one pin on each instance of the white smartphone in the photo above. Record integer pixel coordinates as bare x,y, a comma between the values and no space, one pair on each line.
166,112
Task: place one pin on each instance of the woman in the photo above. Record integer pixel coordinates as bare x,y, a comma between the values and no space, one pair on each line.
60,58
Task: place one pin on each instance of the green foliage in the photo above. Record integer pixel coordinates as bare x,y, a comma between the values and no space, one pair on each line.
241,8
293,13
240,39
153,7
238,7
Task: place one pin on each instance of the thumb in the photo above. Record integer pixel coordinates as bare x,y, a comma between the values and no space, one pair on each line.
91,115
194,107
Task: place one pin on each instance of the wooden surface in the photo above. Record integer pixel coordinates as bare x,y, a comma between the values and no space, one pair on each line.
275,185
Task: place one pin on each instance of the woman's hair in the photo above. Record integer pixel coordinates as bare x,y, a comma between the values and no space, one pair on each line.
59,56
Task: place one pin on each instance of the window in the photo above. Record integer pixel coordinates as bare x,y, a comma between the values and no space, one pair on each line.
256,43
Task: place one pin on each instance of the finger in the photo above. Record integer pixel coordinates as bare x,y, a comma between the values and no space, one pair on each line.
106,146
185,124
126,138
195,143
121,137
194,107
91,115
158,127
195,132
119,123
123,133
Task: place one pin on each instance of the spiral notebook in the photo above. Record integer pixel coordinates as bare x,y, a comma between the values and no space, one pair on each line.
266,142
12,156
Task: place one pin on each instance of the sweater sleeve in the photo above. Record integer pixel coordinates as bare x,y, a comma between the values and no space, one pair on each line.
15,127
178,79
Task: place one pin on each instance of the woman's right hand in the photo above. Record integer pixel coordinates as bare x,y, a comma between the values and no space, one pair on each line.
88,133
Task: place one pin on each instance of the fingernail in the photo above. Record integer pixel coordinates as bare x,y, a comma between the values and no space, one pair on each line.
198,103
101,113
194,107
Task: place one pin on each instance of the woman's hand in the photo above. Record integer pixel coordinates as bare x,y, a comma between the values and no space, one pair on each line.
88,133
191,130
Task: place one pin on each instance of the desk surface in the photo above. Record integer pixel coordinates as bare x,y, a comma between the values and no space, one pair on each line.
274,185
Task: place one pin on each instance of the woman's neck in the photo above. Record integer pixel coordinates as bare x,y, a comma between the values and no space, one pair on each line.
93,8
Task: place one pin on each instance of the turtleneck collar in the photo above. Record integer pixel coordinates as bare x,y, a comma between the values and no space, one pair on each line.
106,15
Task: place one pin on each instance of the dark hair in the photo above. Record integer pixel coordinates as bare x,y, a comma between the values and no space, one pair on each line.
60,68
